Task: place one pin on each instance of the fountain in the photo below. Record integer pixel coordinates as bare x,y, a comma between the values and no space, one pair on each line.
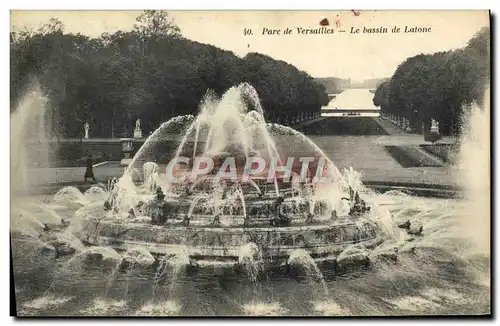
28,127
167,239
233,180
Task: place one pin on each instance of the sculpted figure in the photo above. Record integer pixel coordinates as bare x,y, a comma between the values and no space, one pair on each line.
279,218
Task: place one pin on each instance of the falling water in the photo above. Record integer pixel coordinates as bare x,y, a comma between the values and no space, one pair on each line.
242,199
332,169
45,302
250,258
194,204
255,186
259,308
150,173
70,240
234,122
207,106
104,306
225,123
27,213
296,186
301,257
125,193
195,125
196,136
28,124
26,223
69,195
417,282
158,134
474,173
226,127
171,266
160,271
136,257
95,193
76,264
165,308
353,179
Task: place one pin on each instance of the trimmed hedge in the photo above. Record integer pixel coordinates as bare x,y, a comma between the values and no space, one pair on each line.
445,152
410,157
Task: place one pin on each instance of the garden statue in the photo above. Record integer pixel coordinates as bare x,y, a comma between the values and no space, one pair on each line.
86,128
434,126
137,130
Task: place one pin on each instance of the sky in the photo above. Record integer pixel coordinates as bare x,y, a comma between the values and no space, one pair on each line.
357,56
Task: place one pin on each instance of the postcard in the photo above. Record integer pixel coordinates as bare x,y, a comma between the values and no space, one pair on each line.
250,163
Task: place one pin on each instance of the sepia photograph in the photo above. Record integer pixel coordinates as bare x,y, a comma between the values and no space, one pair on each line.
250,163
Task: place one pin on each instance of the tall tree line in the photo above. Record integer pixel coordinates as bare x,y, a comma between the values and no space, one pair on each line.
152,73
438,86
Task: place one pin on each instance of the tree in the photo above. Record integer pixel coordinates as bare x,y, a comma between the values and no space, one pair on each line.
438,86
150,73
155,24
54,26
381,98
479,47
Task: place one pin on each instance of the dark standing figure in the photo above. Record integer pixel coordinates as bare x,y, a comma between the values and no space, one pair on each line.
89,172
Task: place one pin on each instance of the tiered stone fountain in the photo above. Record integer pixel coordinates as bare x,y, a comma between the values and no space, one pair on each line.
211,217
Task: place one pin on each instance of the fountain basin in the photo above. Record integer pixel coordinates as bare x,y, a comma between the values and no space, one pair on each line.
216,244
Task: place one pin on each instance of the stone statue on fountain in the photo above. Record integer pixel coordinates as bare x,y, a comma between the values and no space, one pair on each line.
358,205
279,218
310,217
220,196
308,194
216,220
158,208
185,221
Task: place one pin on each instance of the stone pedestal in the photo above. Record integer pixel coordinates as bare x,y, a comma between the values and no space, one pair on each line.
434,126
137,133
